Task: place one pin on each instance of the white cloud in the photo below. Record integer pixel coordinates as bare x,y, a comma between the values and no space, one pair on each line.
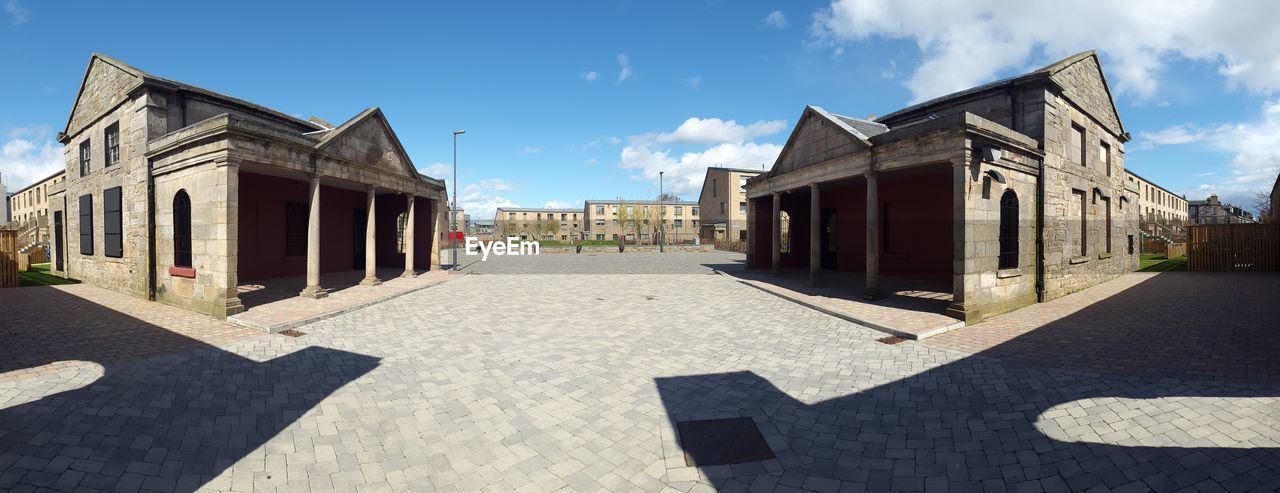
489,185
1180,134
29,155
437,170
17,13
482,198
728,144
695,82
966,43
776,20
713,130
591,76
530,150
624,67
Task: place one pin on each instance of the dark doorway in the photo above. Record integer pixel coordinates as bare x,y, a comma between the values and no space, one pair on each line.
57,240
829,238
359,222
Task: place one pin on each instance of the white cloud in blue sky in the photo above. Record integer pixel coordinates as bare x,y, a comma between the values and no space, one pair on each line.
18,14
776,20
29,154
624,67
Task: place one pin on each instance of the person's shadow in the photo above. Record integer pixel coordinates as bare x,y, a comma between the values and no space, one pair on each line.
170,422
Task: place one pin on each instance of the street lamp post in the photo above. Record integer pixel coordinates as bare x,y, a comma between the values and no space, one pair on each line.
453,209
662,216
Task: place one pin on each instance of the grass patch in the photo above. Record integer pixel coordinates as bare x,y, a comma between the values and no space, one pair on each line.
1156,262
555,243
39,276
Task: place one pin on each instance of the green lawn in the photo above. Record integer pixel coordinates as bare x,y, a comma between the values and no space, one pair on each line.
1156,262
555,243
39,276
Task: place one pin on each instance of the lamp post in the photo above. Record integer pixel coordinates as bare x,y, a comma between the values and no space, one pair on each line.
453,209
662,216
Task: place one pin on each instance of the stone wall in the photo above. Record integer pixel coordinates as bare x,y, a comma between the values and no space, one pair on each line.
817,140
212,185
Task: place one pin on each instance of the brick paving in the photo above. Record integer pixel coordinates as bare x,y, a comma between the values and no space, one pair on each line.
576,382
52,329
273,305
1198,326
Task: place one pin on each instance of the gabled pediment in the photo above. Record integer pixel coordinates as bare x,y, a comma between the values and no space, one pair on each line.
107,82
368,140
819,136
1083,82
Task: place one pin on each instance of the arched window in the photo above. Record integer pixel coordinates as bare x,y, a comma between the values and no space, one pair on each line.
181,229
401,221
1009,230
784,231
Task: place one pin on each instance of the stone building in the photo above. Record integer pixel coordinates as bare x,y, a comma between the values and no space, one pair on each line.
723,203
1006,193
178,194
29,206
1213,211
1161,213
606,221
545,224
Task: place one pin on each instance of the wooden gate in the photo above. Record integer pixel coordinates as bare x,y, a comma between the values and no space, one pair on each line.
1233,247
8,259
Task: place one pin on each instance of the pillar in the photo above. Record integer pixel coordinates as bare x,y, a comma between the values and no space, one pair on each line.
776,264
408,239
370,241
440,221
815,237
873,239
313,289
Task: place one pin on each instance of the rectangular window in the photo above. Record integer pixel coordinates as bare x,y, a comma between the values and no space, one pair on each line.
679,210
1077,145
679,223
111,144
296,215
600,222
695,211
1082,216
85,158
599,209
1104,153
600,237
742,208
742,184
724,208
695,223
86,224
112,237
713,187
1106,202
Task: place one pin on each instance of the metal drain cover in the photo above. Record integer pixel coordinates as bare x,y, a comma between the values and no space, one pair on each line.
891,340
716,442
292,333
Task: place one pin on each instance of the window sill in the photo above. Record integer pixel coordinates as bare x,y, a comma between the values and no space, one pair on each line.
187,272
1079,260
1104,256
1008,273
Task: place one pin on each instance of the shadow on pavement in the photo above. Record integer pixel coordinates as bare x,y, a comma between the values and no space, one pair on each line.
168,422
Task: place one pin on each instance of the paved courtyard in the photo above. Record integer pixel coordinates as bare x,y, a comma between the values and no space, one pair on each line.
562,376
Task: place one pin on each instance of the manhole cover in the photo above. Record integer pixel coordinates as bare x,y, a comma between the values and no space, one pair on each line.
292,333
716,442
891,340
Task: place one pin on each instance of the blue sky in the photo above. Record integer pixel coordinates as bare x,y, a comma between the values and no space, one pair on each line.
565,101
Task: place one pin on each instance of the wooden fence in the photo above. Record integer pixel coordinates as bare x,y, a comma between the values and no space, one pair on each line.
1174,250
1234,247
8,259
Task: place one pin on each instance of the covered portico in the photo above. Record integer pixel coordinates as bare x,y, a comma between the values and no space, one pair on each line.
850,196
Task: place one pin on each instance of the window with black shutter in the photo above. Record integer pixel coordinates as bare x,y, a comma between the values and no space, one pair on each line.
112,238
181,229
295,229
1009,230
86,224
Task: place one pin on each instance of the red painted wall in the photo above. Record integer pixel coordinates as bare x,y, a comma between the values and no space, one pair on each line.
262,221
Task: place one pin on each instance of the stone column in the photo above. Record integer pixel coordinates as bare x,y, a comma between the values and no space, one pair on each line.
227,229
440,226
371,242
408,240
873,239
815,237
313,289
776,265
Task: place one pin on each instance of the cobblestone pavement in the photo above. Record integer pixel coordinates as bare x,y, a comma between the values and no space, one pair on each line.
1208,326
548,382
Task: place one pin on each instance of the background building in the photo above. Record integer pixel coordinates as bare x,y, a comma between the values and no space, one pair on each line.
616,220
1212,211
459,220
723,203
1161,213
29,210
538,224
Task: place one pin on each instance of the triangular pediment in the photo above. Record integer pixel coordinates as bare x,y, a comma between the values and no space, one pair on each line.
819,136
106,84
1083,83
368,140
